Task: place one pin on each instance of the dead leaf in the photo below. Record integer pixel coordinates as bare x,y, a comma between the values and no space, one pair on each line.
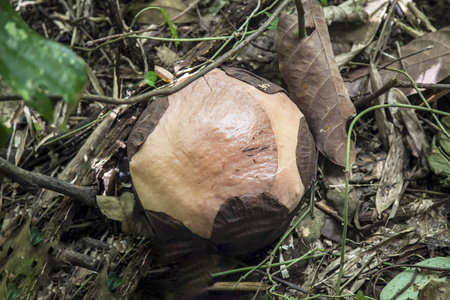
123,209
356,37
431,227
420,145
391,184
315,84
430,66
385,127
166,56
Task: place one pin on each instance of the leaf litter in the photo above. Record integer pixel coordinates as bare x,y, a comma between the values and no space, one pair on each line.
415,228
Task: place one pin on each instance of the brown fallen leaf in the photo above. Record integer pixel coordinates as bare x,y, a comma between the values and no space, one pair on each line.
315,84
430,66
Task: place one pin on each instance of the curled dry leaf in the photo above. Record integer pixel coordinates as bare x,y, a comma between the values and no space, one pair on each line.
385,127
420,145
315,84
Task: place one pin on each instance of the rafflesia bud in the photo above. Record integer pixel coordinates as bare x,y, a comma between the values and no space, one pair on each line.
226,161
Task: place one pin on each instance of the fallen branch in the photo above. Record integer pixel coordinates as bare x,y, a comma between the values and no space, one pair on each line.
29,179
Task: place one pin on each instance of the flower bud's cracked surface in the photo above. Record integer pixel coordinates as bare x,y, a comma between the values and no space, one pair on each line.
222,157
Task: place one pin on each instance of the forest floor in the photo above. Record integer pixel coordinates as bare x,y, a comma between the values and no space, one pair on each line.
55,247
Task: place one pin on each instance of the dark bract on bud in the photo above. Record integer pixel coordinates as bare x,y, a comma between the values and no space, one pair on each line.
226,161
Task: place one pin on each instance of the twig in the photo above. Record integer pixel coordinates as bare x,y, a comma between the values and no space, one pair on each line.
120,35
301,19
289,284
385,88
385,32
403,289
29,179
420,15
435,86
186,9
408,30
358,103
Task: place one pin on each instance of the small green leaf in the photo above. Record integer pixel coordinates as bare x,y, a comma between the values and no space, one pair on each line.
267,297
360,296
36,236
114,281
12,292
274,24
5,134
34,66
439,157
169,22
150,78
173,30
36,126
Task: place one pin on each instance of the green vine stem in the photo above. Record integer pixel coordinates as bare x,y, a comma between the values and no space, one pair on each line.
289,263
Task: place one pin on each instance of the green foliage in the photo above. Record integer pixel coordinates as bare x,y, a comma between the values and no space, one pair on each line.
169,22
360,296
5,134
36,236
173,30
114,281
12,292
421,280
439,158
150,78
274,24
34,66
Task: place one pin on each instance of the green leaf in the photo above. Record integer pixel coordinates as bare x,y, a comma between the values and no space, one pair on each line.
267,297
150,78
36,236
420,282
34,66
173,30
169,22
439,157
360,296
12,292
114,281
274,24
444,140
5,134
